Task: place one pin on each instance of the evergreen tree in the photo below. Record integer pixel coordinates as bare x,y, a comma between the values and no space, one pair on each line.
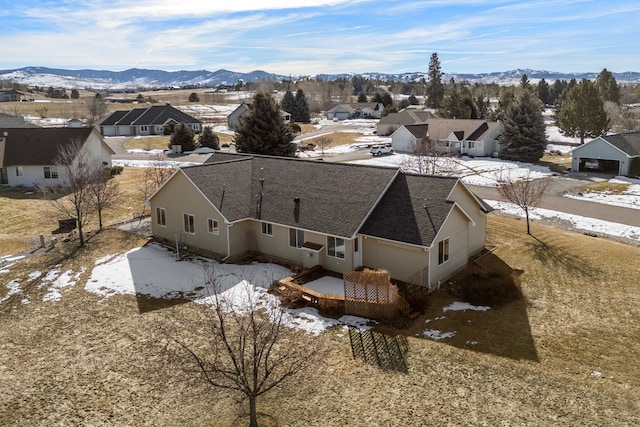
377,97
193,97
456,103
362,97
544,93
608,86
387,100
288,103
301,113
523,135
183,136
262,130
582,112
75,94
413,100
435,88
209,139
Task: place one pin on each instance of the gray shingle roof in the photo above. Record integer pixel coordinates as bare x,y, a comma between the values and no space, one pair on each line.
37,146
154,115
627,142
413,210
334,198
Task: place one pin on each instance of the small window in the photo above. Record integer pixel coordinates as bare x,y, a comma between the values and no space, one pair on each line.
443,251
50,172
335,247
189,226
18,170
296,237
472,144
144,128
213,226
161,218
267,228
356,245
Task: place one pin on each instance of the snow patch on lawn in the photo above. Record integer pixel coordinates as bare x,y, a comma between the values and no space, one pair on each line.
462,306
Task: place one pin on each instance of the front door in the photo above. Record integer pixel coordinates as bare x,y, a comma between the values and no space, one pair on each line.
357,252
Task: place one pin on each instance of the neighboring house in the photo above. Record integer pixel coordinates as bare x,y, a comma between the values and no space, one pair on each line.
408,116
420,228
27,154
471,137
617,154
234,118
9,95
410,138
362,110
154,120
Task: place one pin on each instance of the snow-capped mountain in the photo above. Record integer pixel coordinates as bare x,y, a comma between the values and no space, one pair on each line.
137,79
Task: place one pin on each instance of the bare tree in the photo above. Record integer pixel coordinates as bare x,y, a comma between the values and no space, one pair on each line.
323,142
158,171
77,169
526,193
428,159
104,192
96,107
237,343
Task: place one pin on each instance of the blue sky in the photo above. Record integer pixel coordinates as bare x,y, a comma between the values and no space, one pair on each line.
308,37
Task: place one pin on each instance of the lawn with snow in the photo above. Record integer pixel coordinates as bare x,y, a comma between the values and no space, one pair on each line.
629,199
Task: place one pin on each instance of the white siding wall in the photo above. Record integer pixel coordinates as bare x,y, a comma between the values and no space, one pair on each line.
600,149
403,141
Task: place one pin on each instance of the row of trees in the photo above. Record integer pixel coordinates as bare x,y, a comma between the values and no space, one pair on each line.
184,136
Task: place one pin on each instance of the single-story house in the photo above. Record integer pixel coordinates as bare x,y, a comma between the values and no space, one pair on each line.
408,116
154,120
10,95
340,216
234,118
616,154
15,122
27,154
471,137
362,110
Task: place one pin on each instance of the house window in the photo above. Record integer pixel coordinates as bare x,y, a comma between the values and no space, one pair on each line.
144,128
50,172
472,144
189,226
267,228
443,251
213,226
161,218
296,238
18,170
335,247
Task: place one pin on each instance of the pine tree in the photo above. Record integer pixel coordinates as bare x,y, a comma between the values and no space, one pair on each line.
302,114
362,97
582,112
262,130
288,103
523,135
457,103
435,88
183,136
608,86
209,139
544,93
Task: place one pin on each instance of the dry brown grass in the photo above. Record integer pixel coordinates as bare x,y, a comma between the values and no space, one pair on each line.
339,138
605,187
159,142
82,361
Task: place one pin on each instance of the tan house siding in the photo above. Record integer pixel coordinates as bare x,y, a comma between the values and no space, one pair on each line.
476,233
402,261
177,198
456,229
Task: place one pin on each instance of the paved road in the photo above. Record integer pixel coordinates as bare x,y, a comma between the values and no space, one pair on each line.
554,200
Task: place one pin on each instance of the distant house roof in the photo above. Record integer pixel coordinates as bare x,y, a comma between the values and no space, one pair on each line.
351,108
154,115
469,129
406,117
381,202
37,146
629,143
419,131
15,122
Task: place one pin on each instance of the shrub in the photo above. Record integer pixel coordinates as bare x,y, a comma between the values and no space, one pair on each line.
116,170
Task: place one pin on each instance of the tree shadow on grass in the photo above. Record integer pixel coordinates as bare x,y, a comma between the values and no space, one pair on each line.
502,330
556,256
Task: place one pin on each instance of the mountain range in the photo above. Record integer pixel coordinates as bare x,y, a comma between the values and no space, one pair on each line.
139,79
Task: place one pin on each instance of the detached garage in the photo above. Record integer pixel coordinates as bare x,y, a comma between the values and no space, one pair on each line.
616,154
